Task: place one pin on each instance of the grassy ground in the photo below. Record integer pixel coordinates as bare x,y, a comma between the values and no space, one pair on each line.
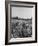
21,28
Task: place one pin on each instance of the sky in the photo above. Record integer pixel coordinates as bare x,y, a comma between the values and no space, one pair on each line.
22,12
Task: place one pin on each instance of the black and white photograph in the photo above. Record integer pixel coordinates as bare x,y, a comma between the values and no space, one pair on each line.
21,22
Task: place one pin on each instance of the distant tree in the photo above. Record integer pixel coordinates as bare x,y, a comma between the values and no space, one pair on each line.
15,17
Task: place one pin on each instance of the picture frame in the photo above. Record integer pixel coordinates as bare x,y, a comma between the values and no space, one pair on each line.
13,11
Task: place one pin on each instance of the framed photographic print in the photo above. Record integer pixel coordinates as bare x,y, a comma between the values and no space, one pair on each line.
21,22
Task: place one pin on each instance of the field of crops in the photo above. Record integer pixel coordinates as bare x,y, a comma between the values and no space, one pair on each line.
21,28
